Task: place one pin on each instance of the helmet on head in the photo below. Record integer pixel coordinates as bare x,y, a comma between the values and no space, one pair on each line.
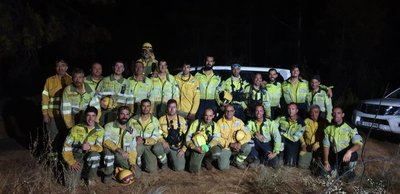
147,45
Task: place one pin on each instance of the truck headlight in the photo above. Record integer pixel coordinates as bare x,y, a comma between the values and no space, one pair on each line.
392,110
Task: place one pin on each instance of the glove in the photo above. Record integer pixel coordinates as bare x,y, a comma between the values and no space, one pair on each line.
205,148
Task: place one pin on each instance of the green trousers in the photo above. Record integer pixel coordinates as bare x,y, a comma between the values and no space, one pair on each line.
150,154
239,157
90,161
196,158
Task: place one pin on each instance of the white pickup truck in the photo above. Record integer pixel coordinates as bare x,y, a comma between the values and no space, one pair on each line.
382,114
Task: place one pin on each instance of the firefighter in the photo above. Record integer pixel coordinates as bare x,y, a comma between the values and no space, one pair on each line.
209,83
148,59
140,85
234,139
119,145
266,138
164,88
116,87
189,98
291,128
95,77
311,149
174,128
76,98
51,102
274,89
148,145
236,86
319,97
82,149
203,138
257,94
341,143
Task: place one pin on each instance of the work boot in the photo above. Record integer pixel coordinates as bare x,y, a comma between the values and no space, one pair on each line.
239,165
208,164
106,179
255,163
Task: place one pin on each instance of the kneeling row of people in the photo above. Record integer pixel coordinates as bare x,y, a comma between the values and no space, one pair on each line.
143,141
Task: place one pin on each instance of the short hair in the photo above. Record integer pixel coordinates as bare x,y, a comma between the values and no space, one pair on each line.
118,61
272,69
186,63
212,110
294,67
61,61
78,71
91,109
171,101
94,63
339,107
314,106
144,101
227,105
292,103
210,57
121,108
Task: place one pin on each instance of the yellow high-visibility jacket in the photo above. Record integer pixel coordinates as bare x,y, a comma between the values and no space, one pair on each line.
268,129
341,136
149,130
79,135
295,92
92,83
149,64
292,130
189,99
167,125
211,131
262,95
125,139
118,90
209,85
52,93
233,84
275,92
321,99
74,103
229,129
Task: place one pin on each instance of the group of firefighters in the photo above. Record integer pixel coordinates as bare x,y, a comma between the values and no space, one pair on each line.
117,127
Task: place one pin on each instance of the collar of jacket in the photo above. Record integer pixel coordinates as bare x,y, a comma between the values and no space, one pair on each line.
300,80
113,79
298,121
85,85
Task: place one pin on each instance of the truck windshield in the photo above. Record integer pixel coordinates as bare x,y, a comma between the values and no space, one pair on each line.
395,94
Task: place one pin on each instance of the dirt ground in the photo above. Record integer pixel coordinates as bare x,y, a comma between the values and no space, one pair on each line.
21,173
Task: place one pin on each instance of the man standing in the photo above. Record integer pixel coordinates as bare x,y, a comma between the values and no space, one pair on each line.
274,89
204,137
266,137
51,102
257,94
148,59
140,85
119,144
319,97
341,143
82,149
236,85
295,90
292,129
148,141
209,83
174,128
76,98
189,98
234,138
95,77
116,87
164,88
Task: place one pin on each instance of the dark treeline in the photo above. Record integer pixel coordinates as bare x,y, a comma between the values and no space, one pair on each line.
353,45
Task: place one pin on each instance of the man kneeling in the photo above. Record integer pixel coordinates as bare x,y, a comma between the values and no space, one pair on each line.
81,149
234,138
119,145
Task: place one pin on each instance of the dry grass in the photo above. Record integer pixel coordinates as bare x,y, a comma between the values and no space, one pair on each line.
21,172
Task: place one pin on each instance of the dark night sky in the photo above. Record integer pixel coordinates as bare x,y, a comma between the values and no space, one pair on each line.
347,42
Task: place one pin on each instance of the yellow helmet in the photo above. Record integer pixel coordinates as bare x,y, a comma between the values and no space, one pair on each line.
225,97
240,135
125,177
147,45
199,139
107,102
